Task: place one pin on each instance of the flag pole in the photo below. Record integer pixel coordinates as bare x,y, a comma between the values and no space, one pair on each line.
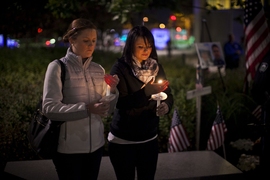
223,145
224,152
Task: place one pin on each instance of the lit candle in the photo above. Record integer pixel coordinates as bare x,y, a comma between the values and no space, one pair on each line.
159,95
108,90
158,101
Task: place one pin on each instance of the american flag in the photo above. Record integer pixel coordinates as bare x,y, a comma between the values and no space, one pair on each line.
217,135
178,140
257,36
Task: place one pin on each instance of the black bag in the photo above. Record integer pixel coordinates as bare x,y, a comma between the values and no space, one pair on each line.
43,133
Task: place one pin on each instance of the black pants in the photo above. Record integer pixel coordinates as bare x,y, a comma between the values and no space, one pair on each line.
265,140
78,166
128,158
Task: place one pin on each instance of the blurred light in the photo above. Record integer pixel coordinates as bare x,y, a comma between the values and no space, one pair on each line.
123,37
162,26
1,40
117,42
47,43
178,29
11,43
173,17
39,30
121,40
52,41
184,37
177,36
161,37
145,19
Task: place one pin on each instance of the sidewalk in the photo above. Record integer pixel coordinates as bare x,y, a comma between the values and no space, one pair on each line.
190,55
189,165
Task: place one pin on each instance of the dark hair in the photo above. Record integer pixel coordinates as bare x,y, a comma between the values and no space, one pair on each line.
76,27
214,45
134,33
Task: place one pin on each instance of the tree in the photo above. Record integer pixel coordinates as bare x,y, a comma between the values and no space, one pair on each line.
95,10
102,12
128,10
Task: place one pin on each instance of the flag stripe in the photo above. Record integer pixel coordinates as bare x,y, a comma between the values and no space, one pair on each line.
254,53
217,134
257,112
216,138
178,140
257,36
257,23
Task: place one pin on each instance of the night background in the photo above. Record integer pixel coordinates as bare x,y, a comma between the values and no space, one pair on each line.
31,36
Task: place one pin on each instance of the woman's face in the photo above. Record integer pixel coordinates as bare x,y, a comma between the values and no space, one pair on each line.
85,43
142,49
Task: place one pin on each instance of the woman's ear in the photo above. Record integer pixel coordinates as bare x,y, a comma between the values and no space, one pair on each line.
71,41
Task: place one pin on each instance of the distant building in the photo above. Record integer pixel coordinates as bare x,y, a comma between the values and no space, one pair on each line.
217,24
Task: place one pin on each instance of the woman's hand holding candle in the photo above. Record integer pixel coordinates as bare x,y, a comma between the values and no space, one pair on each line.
108,90
162,109
154,88
112,81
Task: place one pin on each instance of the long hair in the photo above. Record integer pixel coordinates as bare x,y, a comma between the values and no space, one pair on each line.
134,33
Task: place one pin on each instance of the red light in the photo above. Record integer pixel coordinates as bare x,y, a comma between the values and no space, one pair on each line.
178,29
47,43
177,36
39,30
173,17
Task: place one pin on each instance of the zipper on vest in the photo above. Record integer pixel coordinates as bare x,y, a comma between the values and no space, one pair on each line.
84,75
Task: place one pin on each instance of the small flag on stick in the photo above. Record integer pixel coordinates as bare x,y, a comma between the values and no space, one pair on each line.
217,135
178,140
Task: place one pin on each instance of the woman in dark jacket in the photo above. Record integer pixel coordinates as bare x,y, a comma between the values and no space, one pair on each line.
133,133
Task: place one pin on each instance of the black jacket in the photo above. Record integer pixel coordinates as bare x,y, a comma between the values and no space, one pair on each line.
135,115
261,85
261,88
